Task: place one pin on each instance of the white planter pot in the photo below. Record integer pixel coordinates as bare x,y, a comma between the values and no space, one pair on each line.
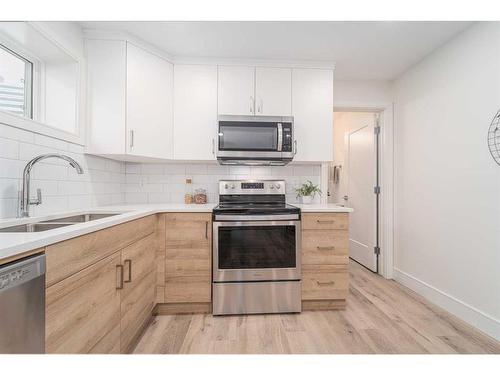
306,199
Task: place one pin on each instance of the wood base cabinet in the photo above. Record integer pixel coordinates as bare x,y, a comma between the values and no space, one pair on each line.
188,259
325,259
102,307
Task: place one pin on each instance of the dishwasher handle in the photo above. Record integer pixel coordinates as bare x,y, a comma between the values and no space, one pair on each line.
22,271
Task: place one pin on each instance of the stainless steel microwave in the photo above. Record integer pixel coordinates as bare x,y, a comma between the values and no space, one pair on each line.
255,140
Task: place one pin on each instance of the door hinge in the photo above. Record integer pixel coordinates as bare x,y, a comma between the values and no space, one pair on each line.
377,129
376,250
376,189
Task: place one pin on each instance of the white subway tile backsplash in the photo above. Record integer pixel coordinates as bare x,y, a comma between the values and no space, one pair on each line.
132,168
9,148
141,186
63,189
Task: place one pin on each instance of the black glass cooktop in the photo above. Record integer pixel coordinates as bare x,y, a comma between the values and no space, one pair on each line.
255,209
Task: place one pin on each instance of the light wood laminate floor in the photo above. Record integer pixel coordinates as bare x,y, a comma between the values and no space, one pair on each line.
381,317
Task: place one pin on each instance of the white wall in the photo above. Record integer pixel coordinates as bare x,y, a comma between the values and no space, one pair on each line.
447,187
351,93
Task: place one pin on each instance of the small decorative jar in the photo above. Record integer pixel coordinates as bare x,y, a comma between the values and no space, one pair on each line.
200,196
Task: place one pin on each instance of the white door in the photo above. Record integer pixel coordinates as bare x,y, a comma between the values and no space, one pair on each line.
312,109
361,169
195,112
236,90
273,91
149,104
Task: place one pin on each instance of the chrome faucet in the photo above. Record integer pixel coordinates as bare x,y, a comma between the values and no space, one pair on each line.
25,194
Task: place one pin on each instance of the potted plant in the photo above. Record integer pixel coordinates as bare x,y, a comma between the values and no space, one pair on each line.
307,191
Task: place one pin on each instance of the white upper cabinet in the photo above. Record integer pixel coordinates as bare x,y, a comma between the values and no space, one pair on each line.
236,90
106,88
312,108
130,100
273,91
195,112
149,104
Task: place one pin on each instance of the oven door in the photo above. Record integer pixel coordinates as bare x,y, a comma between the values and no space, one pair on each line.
256,250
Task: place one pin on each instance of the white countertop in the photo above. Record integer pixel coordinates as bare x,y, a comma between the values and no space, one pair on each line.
322,207
14,244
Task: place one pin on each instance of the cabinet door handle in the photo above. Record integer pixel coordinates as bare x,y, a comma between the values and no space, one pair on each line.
252,105
326,247
131,138
295,147
213,146
325,283
119,267
260,108
128,262
325,221
206,230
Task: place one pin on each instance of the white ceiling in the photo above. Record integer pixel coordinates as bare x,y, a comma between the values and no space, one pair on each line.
360,50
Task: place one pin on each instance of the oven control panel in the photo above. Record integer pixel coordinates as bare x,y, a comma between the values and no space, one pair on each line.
239,187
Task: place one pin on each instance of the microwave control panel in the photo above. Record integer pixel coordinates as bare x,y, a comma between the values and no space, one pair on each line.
287,138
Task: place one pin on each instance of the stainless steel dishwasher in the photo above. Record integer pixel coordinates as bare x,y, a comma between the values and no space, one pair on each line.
22,306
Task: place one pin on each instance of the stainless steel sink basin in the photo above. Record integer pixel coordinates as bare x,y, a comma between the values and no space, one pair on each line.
79,218
33,227
55,223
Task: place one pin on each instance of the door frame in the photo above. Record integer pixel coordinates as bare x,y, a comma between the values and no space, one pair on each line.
386,178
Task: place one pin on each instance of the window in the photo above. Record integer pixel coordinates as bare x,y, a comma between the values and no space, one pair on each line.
16,83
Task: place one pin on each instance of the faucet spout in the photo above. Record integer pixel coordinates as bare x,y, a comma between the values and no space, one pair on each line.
25,195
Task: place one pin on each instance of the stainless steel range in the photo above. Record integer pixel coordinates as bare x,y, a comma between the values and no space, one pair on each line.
256,249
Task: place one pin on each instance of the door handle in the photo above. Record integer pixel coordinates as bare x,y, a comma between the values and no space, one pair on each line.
325,221
119,267
325,247
206,230
128,262
295,147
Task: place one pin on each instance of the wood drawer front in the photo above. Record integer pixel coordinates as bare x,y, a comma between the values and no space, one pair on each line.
324,282
83,311
336,220
325,247
68,257
188,230
192,286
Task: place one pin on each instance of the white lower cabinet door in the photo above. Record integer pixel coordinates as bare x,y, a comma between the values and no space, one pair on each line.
149,104
195,112
312,108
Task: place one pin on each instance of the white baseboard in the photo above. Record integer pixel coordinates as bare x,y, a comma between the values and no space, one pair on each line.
469,314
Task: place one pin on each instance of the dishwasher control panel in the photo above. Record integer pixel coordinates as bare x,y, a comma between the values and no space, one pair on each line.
15,274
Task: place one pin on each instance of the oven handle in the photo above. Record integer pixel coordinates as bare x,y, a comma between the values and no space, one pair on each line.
256,218
265,223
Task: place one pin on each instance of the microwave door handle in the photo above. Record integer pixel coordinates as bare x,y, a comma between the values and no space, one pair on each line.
280,136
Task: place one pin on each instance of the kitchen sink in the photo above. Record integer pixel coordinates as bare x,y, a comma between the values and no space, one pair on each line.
33,227
79,218
55,223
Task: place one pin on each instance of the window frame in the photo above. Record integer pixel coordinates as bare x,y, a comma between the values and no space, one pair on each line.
28,77
37,124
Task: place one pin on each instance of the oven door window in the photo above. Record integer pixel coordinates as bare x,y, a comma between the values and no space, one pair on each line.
250,247
248,137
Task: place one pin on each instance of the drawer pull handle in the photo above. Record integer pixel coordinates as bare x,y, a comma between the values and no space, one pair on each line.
325,221
206,230
119,267
129,263
325,283
326,247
